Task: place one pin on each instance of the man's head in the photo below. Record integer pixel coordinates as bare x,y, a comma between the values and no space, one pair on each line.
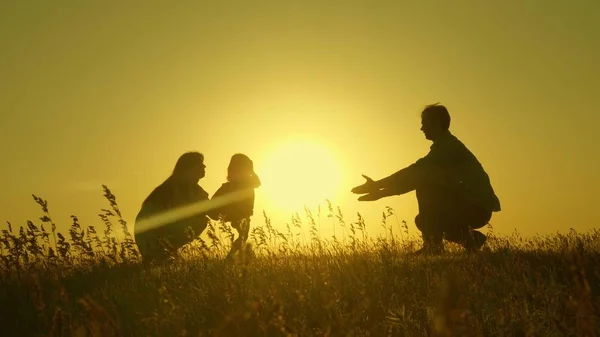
190,167
435,121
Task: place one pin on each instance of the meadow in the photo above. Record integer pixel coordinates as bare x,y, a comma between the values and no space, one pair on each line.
90,282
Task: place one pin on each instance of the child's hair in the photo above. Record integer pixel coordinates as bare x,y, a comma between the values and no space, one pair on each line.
239,162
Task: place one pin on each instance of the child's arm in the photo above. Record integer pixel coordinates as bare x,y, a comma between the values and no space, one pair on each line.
255,180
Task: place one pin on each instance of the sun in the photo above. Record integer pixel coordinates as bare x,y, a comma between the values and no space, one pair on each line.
300,172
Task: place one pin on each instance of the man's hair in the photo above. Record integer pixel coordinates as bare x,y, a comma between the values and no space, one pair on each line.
187,160
438,112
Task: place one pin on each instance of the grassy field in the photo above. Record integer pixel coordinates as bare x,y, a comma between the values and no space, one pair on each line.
91,284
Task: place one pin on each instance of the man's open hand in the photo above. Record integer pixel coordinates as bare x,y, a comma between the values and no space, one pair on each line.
368,187
375,195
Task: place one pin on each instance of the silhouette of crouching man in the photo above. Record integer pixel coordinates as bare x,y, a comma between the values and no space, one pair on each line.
454,193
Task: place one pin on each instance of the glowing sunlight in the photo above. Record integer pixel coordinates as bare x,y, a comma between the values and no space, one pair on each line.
298,172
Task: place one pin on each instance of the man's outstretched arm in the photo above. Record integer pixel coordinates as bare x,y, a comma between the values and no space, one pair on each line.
402,181
378,194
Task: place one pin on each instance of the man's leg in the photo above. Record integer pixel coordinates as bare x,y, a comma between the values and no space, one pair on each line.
446,213
466,218
430,221
432,238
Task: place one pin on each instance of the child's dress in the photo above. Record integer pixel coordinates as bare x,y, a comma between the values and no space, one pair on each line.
240,211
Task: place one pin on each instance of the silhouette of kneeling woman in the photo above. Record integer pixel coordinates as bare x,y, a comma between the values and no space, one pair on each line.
160,243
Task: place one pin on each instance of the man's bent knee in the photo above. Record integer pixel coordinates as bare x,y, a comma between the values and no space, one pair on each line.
430,231
418,223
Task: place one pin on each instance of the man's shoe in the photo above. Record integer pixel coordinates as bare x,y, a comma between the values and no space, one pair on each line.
430,250
479,240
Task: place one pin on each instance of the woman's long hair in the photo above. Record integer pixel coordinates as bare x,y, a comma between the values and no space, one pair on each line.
185,161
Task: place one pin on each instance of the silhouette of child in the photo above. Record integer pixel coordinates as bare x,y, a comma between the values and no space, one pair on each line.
240,178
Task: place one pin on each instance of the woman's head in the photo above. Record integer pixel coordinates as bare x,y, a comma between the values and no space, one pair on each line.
240,167
190,167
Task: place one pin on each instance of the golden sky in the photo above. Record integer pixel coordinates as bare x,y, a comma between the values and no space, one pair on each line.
316,92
